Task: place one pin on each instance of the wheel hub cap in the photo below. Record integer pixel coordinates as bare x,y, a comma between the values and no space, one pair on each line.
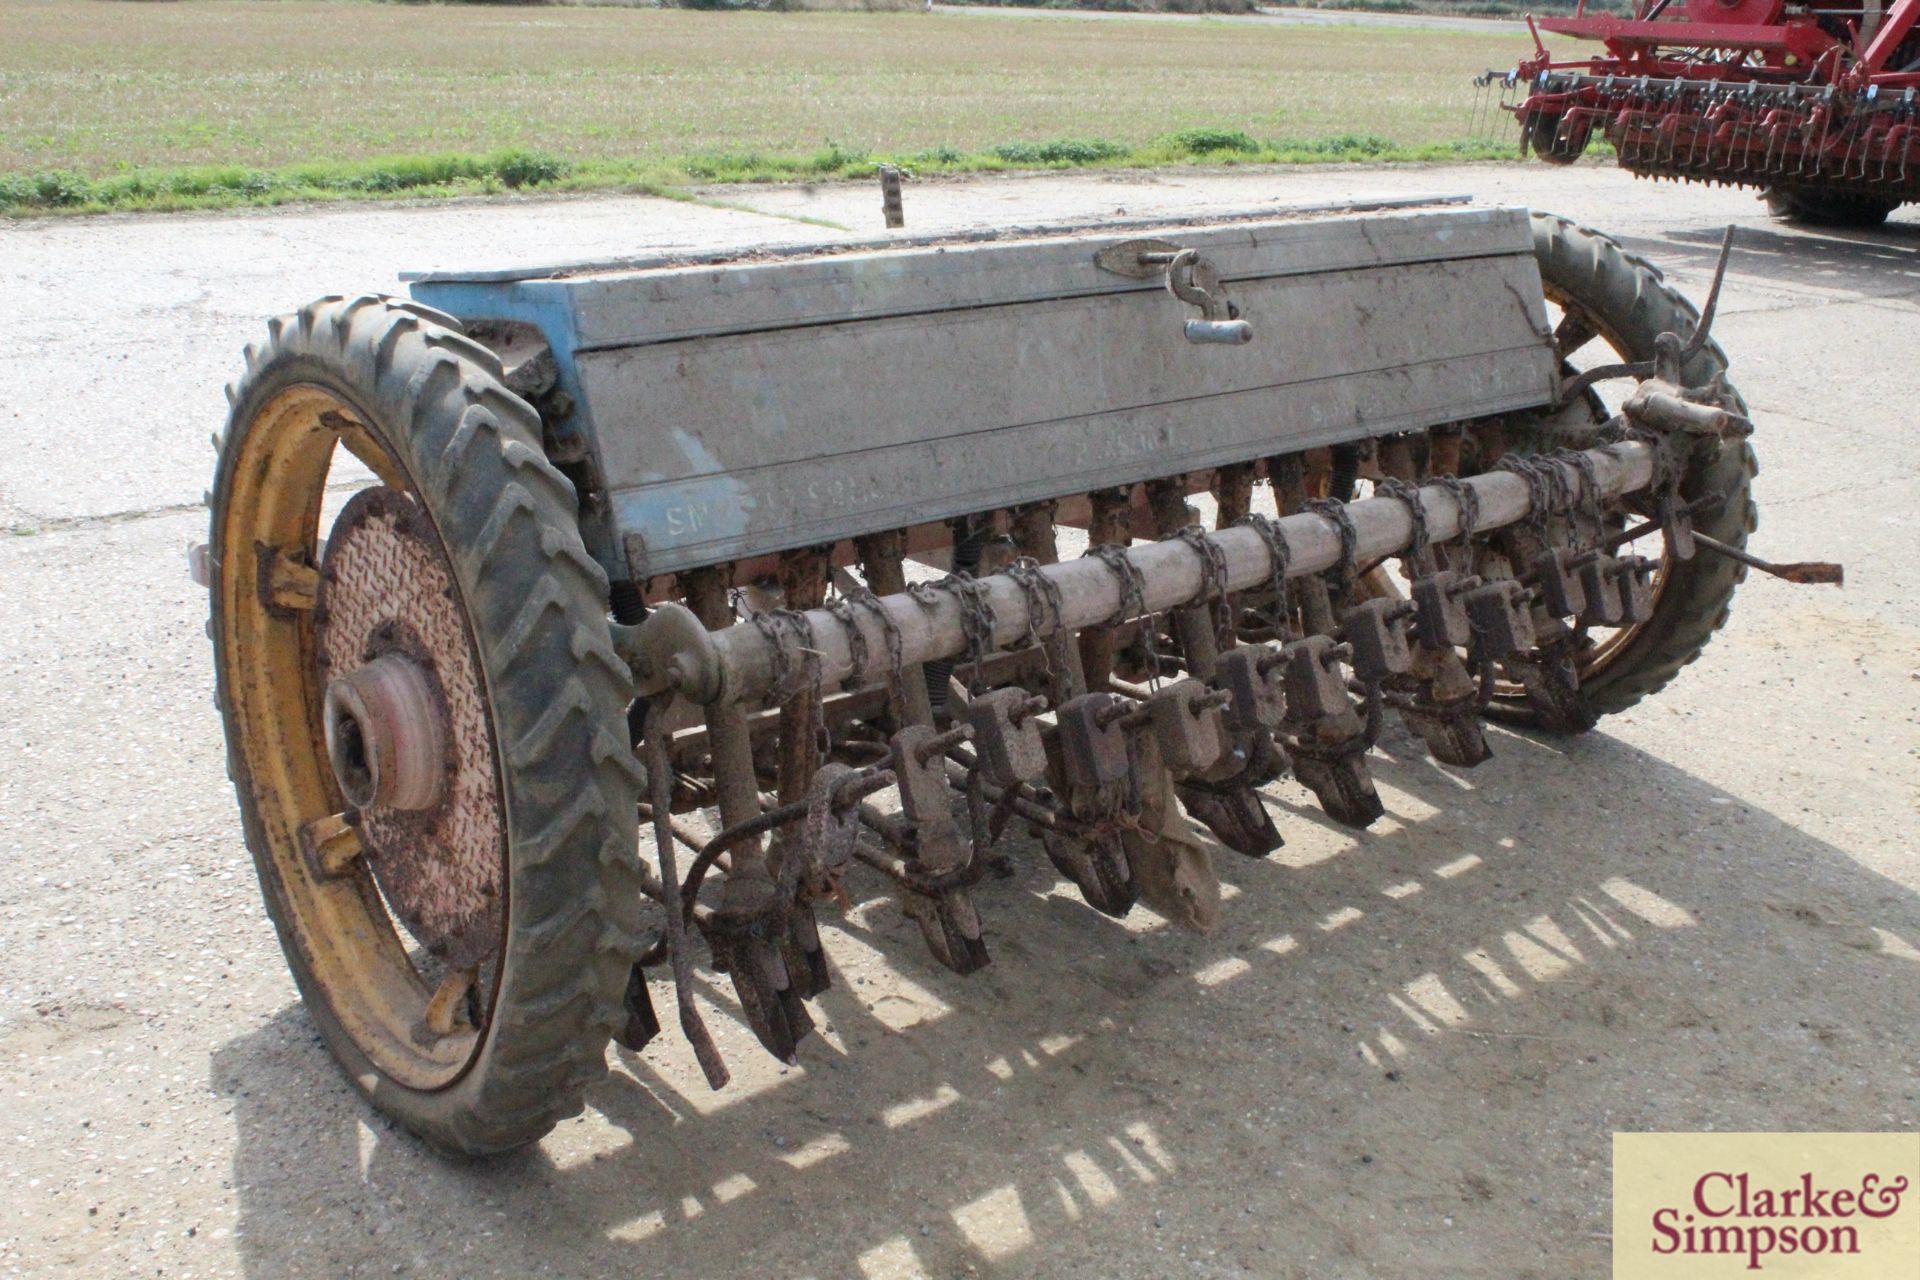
386,736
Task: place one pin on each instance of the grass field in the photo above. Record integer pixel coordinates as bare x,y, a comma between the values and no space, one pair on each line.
104,102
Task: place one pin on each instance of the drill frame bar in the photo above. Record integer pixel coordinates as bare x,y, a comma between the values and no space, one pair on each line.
742,664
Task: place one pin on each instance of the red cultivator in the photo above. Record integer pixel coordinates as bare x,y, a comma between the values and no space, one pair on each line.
1815,102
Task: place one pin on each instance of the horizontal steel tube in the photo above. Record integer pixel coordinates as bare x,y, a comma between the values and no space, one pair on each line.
1170,573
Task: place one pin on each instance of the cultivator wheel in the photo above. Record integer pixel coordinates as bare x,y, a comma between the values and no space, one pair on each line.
1615,303
1554,138
426,722
1828,208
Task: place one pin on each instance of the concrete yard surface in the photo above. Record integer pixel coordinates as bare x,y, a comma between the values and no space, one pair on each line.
1403,1054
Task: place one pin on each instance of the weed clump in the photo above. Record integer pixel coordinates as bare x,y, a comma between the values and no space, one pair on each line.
1207,142
1343,146
1061,151
55,190
212,186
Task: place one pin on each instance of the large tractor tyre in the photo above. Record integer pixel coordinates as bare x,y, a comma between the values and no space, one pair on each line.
1620,299
426,722
1828,208
1543,134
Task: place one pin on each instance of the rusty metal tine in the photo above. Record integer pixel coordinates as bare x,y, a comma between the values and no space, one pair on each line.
1805,572
1705,325
803,581
660,794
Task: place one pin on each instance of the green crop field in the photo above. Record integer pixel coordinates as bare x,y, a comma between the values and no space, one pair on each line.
110,103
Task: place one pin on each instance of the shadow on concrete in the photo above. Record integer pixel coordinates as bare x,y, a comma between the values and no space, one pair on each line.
1858,264
1440,1020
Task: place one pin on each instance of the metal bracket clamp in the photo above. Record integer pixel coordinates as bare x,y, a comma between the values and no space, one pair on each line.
1502,620
1379,631
1093,746
1634,576
1600,585
1315,688
1188,726
1556,574
671,650
1190,278
1006,728
1257,700
1676,521
1440,612
917,758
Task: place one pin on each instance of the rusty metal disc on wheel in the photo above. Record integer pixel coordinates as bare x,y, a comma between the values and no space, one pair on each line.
387,604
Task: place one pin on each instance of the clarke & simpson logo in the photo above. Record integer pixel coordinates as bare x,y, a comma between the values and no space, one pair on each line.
1727,1216
1785,1205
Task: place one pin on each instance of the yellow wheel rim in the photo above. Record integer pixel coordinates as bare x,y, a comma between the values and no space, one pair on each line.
349,953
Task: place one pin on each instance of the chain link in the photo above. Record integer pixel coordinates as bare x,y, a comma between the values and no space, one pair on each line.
1408,496
785,630
1467,498
1279,558
1335,512
1133,600
1540,488
842,612
1132,588
1559,486
1043,600
772,629
976,615
1582,462
890,630
1213,580
1042,595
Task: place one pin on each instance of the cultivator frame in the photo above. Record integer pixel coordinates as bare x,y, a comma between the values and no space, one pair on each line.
1818,104
767,554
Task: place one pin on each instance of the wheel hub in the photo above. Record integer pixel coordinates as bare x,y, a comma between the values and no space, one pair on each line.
386,735
406,725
